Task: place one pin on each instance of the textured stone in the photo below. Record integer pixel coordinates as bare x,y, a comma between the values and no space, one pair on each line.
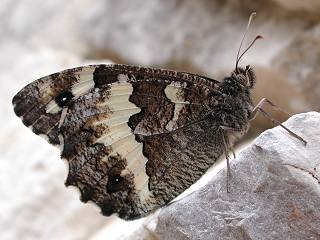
202,34
300,63
312,6
274,193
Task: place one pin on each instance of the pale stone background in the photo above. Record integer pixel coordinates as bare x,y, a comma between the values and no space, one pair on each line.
41,37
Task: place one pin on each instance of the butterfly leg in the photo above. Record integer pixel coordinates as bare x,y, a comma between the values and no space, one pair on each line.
259,108
262,103
230,129
151,233
226,148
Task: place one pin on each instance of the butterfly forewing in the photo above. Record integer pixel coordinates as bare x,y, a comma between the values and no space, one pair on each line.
134,137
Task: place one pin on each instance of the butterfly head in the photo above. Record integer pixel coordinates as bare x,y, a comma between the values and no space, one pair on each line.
241,79
244,76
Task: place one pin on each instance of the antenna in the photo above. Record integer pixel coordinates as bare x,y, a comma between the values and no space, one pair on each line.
255,39
252,15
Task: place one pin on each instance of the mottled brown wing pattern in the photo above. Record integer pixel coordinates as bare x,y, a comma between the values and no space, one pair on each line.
134,137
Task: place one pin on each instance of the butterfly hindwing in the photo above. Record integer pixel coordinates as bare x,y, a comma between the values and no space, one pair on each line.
134,137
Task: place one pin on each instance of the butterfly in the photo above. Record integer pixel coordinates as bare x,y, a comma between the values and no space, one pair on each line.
135,137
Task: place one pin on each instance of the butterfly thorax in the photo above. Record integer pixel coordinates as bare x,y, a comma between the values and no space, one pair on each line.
236,105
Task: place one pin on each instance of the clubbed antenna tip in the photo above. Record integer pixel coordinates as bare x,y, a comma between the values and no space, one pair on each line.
244,35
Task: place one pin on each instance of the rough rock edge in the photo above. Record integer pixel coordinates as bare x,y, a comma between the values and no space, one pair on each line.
170,223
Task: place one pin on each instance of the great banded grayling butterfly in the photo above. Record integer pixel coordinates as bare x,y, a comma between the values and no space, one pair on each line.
135,137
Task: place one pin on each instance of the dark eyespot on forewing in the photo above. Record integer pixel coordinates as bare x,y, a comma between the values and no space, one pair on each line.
30,103
63,98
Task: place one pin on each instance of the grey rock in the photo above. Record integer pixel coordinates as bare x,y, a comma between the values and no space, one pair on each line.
275,193
204,34
300,63
310,6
